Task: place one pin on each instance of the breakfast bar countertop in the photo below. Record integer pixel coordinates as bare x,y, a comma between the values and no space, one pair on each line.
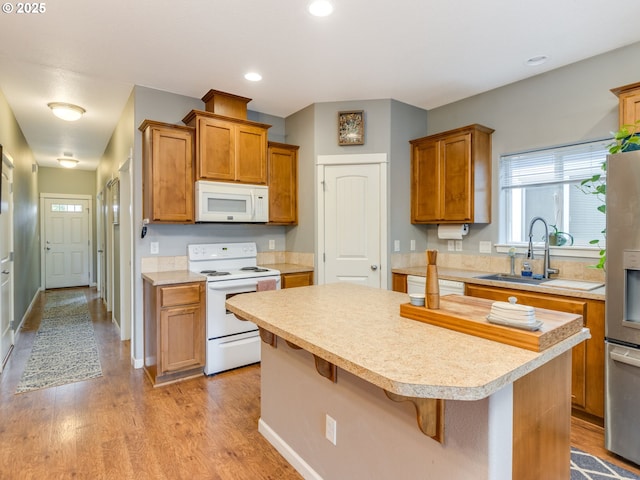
360,330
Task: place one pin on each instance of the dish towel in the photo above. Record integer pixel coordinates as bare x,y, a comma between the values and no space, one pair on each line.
267,284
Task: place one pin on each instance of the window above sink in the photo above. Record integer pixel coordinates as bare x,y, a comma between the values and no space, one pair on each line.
546,183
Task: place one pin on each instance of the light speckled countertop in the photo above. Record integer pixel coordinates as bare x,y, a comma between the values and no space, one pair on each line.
360,330
468,276
172,276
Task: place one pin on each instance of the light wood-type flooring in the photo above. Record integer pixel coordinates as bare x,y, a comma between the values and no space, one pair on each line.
119,427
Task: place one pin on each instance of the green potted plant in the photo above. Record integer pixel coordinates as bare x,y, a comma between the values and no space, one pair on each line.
626,139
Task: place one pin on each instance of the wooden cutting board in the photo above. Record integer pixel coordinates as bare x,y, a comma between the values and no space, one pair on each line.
469,315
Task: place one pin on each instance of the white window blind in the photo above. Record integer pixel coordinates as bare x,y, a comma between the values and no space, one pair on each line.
545,183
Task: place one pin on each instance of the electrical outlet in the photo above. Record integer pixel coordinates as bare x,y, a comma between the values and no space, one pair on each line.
485,247
330,429
451,246
396,245
272,244
412,244
154,248
458,245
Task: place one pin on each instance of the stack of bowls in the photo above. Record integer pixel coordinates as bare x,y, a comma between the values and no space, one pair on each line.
417,299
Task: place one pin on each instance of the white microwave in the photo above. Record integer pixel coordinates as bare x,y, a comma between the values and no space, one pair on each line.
231,202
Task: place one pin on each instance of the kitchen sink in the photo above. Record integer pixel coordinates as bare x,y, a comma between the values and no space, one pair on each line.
505,277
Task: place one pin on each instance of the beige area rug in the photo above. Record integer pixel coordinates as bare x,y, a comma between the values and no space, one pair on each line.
65,349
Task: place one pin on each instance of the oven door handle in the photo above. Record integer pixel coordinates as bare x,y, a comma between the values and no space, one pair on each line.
251,284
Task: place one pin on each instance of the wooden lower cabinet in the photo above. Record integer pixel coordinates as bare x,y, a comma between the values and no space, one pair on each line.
587,379
174,331
399,282
299,279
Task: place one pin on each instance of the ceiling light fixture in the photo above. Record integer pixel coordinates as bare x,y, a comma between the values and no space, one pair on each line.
320,8
68,162
66,111
537,60
253,76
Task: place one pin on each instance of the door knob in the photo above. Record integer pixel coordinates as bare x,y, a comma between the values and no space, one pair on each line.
6,272
374,267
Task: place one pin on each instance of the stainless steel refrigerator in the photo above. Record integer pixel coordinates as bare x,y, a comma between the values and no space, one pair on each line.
622,324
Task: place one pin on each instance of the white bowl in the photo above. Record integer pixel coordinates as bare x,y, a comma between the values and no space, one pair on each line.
417,299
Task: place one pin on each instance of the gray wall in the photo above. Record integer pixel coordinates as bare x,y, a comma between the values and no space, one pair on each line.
26,235
407,123
300,128
567,105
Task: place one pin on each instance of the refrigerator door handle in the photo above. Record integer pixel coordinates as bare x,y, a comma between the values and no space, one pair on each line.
623,355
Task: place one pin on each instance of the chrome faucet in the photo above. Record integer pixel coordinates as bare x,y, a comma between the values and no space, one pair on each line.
547,268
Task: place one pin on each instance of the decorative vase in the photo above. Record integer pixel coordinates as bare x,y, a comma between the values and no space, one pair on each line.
432,289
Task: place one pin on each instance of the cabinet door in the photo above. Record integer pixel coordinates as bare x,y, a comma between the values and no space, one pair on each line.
399,282
216,150
292,280
283,185
455,196
425,182
168,177
251,154
629,108
182,339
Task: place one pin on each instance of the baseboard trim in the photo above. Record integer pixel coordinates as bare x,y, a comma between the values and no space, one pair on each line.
17,328
137,362
290,455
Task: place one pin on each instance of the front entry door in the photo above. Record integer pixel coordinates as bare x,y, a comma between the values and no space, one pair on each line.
352,226
6,261
66,242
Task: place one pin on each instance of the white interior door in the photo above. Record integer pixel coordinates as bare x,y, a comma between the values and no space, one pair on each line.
6,261
352,224
66,237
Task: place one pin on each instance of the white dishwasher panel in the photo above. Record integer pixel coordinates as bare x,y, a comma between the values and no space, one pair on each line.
416,284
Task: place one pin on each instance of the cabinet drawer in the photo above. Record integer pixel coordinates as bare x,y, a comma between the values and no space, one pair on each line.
180,295
291,280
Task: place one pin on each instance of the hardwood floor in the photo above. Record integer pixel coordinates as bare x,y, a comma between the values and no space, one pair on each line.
119,427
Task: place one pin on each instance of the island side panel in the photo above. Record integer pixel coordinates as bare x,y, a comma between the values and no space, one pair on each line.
376,438
542,421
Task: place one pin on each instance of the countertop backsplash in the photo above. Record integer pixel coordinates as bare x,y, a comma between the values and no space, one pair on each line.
157,263
569,269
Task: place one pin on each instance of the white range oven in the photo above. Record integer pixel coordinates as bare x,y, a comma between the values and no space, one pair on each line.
231,269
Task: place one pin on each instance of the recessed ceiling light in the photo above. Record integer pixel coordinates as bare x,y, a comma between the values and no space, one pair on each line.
68,162
320,8
66,111
537,60
253,76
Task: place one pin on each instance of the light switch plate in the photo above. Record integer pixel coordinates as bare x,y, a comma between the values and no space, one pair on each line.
154,248
412,245
451,246
458,245
272,244
396,245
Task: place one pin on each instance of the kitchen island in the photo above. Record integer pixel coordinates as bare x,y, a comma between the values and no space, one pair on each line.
343,352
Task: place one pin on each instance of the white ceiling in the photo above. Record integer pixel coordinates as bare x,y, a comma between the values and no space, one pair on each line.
423,52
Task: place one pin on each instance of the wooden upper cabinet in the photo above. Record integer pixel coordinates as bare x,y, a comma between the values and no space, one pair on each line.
451,176
167,152
283,183
629,97
229,149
